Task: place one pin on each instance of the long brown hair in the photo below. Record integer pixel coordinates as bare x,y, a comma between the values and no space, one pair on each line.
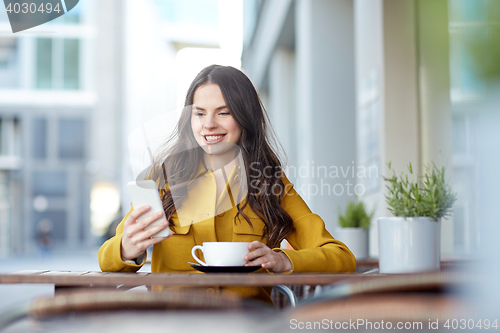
181,156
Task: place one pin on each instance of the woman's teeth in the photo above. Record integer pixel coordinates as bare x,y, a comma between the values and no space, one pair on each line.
213,137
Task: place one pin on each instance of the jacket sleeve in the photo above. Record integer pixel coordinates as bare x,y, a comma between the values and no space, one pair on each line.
315,248
110,259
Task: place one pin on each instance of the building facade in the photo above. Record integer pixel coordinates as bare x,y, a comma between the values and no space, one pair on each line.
72,91
365,82
57,86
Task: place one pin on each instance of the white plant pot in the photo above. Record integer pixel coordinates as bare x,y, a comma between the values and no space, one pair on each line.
356,239
409,245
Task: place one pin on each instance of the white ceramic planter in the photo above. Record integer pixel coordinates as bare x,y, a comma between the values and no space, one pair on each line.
409,245
356,240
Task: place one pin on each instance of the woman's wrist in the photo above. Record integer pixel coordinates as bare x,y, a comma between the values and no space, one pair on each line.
287,264
138,260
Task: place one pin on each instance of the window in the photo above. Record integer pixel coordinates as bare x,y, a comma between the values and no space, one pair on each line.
71,60
74,16
468,19
44,63
473,26
3,16
39,144
71,141
8,63
49,184
197,13
58,63
10,140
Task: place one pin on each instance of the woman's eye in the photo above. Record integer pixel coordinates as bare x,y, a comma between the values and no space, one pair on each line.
199,114
224,113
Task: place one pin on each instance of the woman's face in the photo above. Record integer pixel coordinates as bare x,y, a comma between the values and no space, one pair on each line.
212,123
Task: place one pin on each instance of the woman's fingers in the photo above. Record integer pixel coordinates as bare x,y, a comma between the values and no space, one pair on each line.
255,245
265,257
259,261
144,223
145,240
141,234
153,231
135,214
136,238
257,253
147,234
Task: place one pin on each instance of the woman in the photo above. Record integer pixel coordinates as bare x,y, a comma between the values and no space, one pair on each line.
220,180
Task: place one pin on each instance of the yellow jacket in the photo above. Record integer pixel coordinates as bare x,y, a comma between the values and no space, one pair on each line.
315,249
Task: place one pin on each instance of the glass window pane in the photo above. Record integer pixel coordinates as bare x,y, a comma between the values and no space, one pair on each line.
3,16
8,63
74,15
2,149
71,139
474,10
39,144
49,183
44,63
71,63
193,13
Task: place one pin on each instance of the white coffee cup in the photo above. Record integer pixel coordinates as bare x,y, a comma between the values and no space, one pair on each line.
222,253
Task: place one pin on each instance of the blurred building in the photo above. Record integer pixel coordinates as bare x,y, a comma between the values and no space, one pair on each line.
46,111
71,93
359,83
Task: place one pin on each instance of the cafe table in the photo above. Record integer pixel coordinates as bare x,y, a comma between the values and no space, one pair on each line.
342,295
63,280
69,279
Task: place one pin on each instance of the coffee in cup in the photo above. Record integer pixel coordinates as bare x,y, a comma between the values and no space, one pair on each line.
222,253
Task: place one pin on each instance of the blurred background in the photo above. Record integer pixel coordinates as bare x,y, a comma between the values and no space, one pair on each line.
348,84
72,91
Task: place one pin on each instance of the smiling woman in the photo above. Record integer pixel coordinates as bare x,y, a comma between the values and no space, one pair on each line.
211,194
212,122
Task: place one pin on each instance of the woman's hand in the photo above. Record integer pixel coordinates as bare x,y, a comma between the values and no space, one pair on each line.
276,262
135,239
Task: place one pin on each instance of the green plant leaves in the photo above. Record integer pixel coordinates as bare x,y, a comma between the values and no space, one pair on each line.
355,216
428,195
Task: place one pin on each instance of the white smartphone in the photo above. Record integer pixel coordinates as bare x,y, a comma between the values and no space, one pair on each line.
142,193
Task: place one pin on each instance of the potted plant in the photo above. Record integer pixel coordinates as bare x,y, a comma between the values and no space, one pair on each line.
353,230
411,241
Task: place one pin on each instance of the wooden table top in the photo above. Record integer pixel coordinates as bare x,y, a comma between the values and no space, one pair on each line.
109,279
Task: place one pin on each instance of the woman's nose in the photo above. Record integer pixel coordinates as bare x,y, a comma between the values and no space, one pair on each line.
210,122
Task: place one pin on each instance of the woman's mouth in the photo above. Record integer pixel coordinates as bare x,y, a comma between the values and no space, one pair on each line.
212,139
